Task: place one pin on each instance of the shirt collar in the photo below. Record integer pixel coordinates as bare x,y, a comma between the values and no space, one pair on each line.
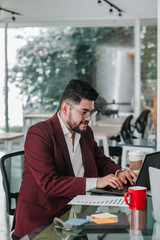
63,126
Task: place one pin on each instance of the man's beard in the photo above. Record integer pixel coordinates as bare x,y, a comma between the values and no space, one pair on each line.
77,129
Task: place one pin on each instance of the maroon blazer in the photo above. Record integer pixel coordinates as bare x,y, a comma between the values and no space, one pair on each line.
48,182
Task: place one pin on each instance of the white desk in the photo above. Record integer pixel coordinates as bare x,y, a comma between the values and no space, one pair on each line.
35,117
101,133
138,145
110,122
38,115
10,137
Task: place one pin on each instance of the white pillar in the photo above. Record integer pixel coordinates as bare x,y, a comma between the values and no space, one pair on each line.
6,78
137,69
158,80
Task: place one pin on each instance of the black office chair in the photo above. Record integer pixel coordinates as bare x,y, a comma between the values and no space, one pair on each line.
126,130
141,123
11,168
125,135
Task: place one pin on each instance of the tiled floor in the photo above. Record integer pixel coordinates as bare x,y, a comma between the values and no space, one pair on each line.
5,220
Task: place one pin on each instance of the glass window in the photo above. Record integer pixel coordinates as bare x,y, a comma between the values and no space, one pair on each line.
41,60
148,64
44,59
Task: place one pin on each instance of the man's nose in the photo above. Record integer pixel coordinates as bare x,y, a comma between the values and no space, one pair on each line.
88,118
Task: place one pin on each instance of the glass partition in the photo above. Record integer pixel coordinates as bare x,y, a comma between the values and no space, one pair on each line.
41,60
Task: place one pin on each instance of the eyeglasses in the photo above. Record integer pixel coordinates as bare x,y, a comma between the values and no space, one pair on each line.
85,114
61,225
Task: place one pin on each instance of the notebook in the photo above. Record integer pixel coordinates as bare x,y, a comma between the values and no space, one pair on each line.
154,175
122,223
151,160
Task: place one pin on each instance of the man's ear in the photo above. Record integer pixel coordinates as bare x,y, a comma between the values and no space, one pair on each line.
64,108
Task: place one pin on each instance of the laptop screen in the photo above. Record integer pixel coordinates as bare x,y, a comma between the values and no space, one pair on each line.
154,174
151,160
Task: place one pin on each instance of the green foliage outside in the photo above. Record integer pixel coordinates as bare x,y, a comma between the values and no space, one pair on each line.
48,61
148,53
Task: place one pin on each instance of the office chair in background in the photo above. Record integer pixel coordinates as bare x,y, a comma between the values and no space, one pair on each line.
141,123
125,135
125,132
12,168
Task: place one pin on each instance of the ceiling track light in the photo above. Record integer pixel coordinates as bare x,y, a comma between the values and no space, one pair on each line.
112,7
99,2
111,10
11,12
13,17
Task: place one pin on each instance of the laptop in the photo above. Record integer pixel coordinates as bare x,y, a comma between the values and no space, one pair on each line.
151,160
154,175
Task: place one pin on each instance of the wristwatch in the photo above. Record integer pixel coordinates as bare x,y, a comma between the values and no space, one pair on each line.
118,171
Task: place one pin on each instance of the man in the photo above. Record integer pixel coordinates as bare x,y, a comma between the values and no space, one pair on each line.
62,160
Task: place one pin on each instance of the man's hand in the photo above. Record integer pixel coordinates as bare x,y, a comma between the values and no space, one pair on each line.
128,174
109,180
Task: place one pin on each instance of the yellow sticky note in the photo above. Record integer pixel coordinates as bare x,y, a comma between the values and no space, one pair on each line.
104,215
103,220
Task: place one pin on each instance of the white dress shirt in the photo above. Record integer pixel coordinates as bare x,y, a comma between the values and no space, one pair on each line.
76,155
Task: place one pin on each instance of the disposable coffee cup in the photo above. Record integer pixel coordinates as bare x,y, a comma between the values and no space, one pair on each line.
135,160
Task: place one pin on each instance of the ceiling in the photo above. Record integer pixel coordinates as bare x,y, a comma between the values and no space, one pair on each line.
75,10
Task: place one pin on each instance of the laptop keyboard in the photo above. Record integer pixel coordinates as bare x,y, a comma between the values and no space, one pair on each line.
111,189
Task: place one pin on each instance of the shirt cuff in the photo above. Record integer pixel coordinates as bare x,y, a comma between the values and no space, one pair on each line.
90,183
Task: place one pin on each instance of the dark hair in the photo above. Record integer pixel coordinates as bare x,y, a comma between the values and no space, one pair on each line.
78,89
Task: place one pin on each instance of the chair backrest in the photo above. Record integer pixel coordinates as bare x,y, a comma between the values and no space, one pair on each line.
126,131
12,168
141,122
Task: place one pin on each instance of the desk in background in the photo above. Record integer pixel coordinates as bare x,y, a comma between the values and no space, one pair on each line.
109,121
137,145
10,138
33,118
101,133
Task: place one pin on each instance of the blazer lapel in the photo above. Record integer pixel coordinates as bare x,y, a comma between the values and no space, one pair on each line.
61,141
